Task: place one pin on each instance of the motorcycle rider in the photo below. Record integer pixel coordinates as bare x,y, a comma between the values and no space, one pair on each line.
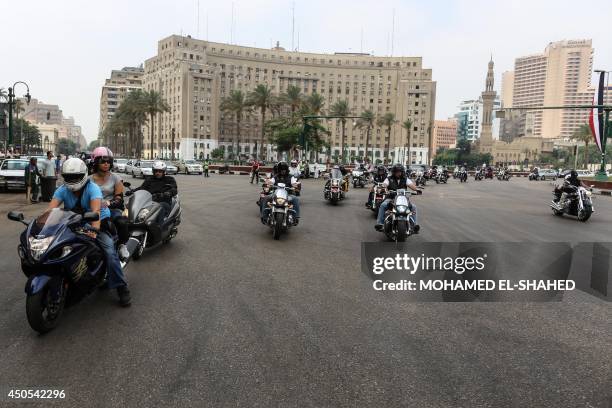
80,195
283,176
161,187
396,181
294,171
570,183
112,194
379,177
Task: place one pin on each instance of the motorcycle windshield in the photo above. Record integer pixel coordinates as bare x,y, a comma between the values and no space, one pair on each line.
139,200
336,174
401,200
49,223
281,192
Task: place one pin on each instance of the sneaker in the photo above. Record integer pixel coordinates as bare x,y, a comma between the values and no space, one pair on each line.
124,296
124,254
378,227
416,228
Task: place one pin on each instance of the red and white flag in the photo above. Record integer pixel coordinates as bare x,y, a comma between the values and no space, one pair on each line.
596,116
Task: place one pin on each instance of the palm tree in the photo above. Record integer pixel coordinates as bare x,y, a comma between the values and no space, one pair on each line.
313,105
260,98
293,97
341,108
407,124
387,120
235,104
154,104
366,120
583,134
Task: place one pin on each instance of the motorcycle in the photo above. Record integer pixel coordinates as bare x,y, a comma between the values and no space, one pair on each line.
503,175
359,178
265,190
578,203
281,215
333,191
142,213
478,175
398,222
456,173
488,173
380,193
62,262
441,177
463,176
533,176
420,179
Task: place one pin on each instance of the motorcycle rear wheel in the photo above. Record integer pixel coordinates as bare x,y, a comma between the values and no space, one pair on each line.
39,317
278,225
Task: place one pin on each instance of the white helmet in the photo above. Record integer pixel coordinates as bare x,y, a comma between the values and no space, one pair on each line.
74,173
159,165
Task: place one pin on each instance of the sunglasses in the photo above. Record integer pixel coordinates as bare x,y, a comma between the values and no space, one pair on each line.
158,171
106,160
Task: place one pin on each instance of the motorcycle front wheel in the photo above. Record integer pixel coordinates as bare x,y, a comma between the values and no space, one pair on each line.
401,232
278,225
41,316
585,214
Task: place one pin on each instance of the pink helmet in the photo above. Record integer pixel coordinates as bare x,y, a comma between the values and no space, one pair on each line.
101,152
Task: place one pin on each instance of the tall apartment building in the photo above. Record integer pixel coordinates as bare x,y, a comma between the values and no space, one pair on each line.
561,75
444,134
194,75
469,119
115,89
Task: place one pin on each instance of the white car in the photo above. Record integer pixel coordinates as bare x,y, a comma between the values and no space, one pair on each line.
190,167
12,174
119,165
548,174
171,169
585,173
143,168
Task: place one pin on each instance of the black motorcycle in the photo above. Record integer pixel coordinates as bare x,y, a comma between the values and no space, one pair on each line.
463,176
280,213
577,202
142,212
398,221
62,262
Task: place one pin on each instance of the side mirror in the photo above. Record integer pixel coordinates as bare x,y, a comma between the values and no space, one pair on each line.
15,216
127,184
91,216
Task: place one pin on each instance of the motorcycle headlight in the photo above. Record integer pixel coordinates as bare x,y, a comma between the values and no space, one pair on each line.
143,214
280,201
402,208
588,193
38,246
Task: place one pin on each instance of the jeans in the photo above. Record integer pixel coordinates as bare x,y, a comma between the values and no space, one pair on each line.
263,205
114,272
383,208
48,185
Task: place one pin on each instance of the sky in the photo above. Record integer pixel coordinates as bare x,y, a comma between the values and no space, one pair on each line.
65,49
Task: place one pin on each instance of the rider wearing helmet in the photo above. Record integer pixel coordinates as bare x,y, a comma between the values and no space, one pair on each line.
112,194
397,180
282,175
379,177
161,187
570,182
80,195
294,169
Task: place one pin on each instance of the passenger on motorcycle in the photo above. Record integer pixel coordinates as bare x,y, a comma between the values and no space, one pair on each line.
397,181
379,177
112,194
570,182
283,176
161,187
294,171
80,195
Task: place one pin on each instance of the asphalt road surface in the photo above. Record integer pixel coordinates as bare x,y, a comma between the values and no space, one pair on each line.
226,316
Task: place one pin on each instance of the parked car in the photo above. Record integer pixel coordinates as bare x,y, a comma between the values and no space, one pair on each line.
143,168
585,173
547,174
129,166
119,165
12,174
171,169
189,167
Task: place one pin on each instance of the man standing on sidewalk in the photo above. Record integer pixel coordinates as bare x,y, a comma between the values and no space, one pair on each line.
255,171
49,178
206,168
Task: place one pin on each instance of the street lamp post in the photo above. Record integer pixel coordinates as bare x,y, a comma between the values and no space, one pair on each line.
11,102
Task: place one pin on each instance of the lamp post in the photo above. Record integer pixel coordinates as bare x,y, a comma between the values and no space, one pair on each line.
11,102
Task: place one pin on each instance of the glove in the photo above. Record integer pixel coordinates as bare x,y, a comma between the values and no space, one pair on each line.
419,192
129,193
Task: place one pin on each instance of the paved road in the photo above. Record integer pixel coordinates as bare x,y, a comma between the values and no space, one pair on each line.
225,316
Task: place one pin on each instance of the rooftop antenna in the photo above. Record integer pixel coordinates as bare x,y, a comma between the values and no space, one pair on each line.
298,39
232,26
361,46
392,31
198,18
292,25
206,24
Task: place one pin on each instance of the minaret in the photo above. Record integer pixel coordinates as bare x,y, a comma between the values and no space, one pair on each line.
488,98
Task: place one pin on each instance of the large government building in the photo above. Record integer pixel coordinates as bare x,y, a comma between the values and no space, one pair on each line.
194,75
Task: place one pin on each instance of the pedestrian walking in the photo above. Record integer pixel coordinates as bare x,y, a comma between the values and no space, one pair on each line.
58,165
49,179
32,179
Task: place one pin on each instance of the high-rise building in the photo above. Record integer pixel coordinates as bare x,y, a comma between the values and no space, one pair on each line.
561,75
470,117
444,134
194,75
115,89
507,88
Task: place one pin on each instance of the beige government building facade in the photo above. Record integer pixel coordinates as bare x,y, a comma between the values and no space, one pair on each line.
194,75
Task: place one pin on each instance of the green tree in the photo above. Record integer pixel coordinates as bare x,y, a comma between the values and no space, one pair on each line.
93,144
154,104
260,98
387,121
407,124
366,120
293,97
341,108
66,147
218,153
236,104
314,105
583,134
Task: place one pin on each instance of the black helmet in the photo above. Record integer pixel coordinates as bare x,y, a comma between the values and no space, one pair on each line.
381,168
574,174
280,166
398,167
